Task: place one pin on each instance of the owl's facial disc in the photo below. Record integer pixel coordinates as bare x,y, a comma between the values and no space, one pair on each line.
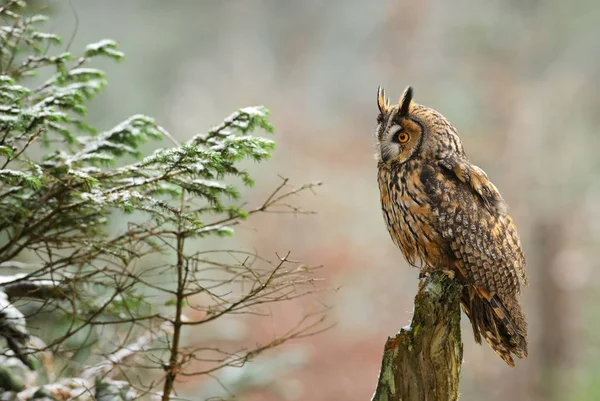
399,133
390,144
400,141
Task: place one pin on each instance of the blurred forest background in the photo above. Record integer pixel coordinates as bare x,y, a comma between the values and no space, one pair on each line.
519,79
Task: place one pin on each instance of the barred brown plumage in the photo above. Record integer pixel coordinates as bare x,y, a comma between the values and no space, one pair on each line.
444,213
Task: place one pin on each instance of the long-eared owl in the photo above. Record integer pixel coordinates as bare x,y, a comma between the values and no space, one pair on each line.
444,213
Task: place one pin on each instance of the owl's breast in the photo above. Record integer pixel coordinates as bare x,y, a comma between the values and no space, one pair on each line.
409,217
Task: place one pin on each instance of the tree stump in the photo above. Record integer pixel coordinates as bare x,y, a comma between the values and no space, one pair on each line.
422,362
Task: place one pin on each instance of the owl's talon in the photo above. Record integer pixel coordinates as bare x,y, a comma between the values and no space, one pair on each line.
449,273
424,273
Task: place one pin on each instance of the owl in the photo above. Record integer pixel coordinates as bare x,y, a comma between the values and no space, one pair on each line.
444,213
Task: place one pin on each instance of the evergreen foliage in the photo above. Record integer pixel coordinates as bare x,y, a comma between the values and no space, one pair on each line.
55,210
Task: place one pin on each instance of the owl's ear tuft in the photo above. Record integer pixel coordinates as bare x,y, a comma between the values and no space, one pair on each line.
382,102
406,102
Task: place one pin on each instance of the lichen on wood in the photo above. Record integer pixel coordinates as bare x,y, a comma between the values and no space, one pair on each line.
423,361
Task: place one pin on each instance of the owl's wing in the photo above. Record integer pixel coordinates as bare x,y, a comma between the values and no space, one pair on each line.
472,219
477,179
484,243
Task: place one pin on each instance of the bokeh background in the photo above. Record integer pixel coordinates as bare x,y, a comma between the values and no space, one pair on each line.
519,79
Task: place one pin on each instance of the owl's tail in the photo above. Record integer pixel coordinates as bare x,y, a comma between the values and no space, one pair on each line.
499,321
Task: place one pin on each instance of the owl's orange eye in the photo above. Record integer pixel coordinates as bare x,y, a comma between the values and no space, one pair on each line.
403,137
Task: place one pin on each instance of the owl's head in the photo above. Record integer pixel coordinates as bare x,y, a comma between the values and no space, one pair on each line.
408,130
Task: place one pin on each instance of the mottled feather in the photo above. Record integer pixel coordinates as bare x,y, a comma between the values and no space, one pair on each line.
444,213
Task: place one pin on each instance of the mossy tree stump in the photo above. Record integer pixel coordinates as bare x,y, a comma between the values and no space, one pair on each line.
422,362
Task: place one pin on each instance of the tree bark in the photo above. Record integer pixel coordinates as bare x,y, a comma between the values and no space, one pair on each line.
422,362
